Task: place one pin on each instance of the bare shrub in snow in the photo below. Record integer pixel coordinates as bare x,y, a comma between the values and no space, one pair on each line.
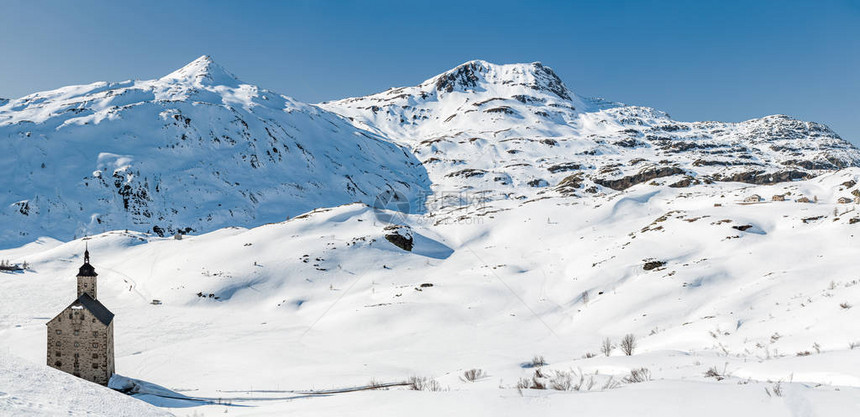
628,344
537,361
473,375
853,345
606,347
715,373
845,305
638,375
523,383
417,383
589,355
776,389
537,382
610,383
561,381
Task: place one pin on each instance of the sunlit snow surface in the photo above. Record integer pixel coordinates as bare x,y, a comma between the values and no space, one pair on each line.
323,301
197,149
532,222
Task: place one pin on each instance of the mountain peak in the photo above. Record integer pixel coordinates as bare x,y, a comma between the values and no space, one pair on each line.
204,71
472,73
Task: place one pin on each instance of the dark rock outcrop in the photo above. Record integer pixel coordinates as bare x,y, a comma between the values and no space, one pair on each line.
400,236
644,175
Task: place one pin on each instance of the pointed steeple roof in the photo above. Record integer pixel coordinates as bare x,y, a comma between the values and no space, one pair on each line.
86,269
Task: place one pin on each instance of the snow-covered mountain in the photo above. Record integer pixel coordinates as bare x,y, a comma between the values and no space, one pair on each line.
584,221
195,150
509,131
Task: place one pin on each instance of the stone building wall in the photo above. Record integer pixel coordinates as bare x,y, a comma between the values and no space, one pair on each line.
81,345
87,285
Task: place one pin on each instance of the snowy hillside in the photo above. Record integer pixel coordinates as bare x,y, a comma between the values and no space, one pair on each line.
193,151
724,298
512,131
33,390
557,227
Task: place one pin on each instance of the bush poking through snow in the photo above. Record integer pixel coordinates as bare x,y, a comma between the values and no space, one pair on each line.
537,362
417,383
473,375
374,384
562,381
775,390
845,305
715,373
610,383
606,347
638,375
628,344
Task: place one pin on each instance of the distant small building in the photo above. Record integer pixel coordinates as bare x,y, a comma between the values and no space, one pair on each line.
845,200
80,338
804,200
778,197
755,198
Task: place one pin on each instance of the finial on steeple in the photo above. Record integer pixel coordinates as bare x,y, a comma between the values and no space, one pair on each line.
86,253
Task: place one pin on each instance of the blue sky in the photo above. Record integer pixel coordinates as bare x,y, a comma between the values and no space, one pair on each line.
697,60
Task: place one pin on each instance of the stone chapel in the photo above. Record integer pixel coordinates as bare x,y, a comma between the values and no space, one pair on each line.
80,338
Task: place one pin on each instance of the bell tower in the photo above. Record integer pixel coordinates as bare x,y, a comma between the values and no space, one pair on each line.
87,277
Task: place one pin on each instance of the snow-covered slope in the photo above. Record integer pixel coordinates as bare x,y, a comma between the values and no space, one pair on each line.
727,295
763,293
509,131
195,150
28,389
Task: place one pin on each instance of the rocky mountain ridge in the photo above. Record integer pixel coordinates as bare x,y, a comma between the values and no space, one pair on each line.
516,131
193,151
199,149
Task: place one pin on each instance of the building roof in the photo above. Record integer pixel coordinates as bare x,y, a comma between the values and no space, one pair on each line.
95,307
86,269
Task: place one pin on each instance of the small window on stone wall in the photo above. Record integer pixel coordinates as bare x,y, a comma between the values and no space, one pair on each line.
95,355
95,345
58,364
95,366
95,334
59,344
76,345
59,331
77,332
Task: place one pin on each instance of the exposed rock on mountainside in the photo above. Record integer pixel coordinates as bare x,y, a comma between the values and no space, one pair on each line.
520,122
198,149
195,150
